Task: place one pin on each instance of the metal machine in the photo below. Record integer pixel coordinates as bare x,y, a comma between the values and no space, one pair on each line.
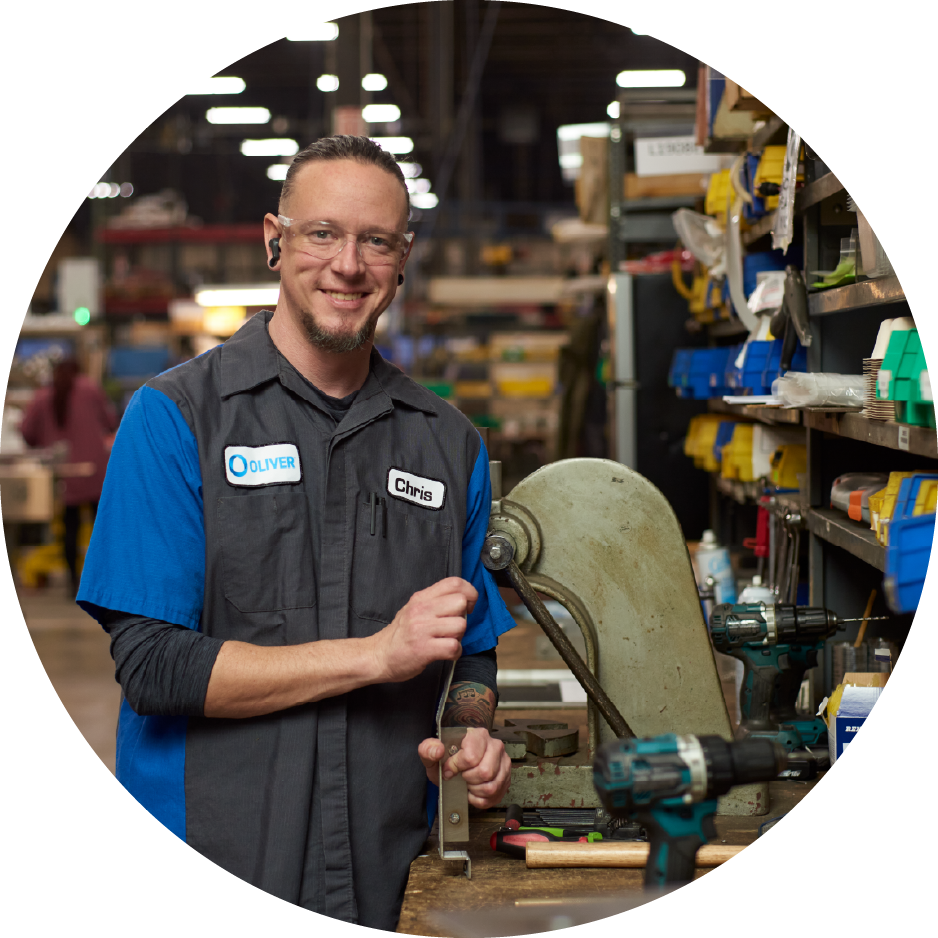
604,542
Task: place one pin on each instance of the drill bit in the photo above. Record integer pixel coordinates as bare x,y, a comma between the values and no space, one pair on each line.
865,619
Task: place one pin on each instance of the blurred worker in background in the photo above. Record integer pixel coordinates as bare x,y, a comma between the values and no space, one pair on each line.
74,410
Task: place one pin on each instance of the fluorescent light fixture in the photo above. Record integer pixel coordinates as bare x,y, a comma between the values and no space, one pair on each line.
237,115
381,113
245,294
424,200
575,131
394,144
651,78
221,84
277,146
314,32
277,171
612,110
127,190
328,82
418,186
374,81
223,320
774,31
571,160
411,170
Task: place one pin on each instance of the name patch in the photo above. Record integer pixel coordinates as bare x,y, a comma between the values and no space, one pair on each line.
427,493
262,465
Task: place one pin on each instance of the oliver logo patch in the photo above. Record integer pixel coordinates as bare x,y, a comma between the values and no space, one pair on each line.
418,490
275,464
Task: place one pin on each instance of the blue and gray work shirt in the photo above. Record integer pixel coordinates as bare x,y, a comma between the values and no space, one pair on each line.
236,507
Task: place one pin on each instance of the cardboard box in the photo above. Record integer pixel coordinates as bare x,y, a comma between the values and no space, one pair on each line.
650,187
855,706
26,492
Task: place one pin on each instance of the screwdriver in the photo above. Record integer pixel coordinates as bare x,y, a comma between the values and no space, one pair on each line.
511,838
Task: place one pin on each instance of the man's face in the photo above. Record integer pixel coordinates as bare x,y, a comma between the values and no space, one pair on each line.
337,301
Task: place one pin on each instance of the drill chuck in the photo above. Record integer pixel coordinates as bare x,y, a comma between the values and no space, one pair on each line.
633,775
735,624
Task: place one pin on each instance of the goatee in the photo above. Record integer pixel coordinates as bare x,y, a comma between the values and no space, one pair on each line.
330,341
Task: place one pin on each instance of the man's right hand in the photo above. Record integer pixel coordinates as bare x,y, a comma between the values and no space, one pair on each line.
429,628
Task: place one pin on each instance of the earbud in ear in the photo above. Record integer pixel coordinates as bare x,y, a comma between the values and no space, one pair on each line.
400,279
274,252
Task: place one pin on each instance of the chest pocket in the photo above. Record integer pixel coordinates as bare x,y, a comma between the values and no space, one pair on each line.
406,553
267,551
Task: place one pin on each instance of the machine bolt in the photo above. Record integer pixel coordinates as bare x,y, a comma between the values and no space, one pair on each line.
454,818
495,552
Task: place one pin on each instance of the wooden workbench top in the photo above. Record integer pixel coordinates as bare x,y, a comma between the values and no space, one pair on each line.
504,897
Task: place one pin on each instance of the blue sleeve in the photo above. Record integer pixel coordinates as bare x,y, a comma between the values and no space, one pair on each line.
490,617
147,550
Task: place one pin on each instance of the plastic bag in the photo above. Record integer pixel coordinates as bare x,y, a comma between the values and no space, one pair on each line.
803,389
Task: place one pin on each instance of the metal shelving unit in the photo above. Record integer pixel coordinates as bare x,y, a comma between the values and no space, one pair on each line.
856,296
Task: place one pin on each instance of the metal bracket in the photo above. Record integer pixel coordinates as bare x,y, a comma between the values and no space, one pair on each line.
453,805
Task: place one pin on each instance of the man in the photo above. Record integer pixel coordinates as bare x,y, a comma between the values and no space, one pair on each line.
287,561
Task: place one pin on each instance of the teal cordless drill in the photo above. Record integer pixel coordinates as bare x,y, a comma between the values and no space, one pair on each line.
777,643
670,784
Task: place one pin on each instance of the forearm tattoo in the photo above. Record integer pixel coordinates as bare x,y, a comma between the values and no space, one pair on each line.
469,704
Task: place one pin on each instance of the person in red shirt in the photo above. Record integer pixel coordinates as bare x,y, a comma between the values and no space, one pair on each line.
75,410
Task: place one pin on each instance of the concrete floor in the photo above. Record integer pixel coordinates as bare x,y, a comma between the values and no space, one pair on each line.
59,733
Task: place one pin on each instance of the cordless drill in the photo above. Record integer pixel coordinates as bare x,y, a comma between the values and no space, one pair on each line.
777,643
669,784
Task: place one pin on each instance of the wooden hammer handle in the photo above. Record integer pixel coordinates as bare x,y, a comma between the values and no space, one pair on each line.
623,855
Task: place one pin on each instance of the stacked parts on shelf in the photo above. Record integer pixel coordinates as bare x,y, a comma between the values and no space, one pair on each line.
903,375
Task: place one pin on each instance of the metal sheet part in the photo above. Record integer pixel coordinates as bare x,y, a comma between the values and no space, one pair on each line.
453,803
611,544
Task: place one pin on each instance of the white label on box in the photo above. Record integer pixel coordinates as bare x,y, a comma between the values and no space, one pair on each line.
928,385
883,380
664,156
903,437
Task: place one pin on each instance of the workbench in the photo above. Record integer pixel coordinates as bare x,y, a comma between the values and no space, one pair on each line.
504,897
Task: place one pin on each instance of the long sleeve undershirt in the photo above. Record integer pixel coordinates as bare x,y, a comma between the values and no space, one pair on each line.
164,669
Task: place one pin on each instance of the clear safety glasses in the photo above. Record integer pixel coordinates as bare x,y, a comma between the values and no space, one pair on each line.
325,240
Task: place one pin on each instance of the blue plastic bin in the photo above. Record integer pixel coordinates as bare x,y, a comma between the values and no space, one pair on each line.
132,362
724,434
909,548
680,368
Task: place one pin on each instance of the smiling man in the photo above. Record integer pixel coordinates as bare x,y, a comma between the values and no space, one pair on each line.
287,560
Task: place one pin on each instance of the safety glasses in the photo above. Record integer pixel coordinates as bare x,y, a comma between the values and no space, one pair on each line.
324,240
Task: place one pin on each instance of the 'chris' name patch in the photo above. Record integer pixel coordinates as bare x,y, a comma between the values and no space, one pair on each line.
276,464
427,493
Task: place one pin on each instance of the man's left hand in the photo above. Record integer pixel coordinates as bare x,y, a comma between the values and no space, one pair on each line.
481,760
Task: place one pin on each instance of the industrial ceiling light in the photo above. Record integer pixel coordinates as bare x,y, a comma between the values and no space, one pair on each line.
328,82
424,200
374,81
277,171
394,144
612,110
245,294
237,115
314,32
783,32
220,84
418,186
277,146
410,170
381,113
651,78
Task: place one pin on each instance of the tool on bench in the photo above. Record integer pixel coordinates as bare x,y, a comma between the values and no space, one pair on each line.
670,784
517,832
601,540
777,643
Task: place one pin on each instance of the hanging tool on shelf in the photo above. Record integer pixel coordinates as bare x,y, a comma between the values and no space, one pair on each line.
790,323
